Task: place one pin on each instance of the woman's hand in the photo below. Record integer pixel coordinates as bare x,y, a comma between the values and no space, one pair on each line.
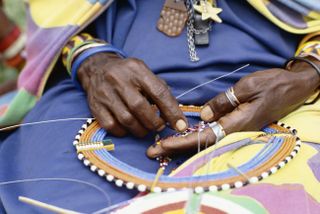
119,91
265,96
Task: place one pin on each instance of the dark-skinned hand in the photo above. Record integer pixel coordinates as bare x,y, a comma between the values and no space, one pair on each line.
119,94
265,96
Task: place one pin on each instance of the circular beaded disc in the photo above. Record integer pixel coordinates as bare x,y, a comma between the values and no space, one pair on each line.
94,153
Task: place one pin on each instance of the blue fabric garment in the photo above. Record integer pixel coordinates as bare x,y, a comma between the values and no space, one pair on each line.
46,150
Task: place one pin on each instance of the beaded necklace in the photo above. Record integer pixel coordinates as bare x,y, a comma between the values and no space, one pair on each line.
281,146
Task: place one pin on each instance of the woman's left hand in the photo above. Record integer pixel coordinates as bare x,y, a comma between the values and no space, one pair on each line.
265,96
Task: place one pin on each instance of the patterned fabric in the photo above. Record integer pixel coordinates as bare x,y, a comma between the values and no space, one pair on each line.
293,16
52,23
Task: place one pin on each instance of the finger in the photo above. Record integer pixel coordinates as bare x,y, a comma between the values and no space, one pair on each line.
246,117
105,119
141,108
167,104
174,145
221,104
121,112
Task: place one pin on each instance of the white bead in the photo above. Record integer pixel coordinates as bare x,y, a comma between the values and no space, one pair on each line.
80,131
171,189
157,190
282,164
199,190
288,159
273,170
75,142
298,143
253,180
110,178
93,168
78,137
264,174
86,162
101,172
130,185
142,188
225,186
238,184
80,156
89,121
213,188
297,148
293,154
119,183
84,126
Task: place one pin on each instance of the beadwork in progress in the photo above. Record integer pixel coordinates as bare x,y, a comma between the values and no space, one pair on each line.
280,146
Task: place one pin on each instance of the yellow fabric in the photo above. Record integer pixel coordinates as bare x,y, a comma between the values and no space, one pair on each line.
306,120
304,45
260,5
314,15
309,37
58,13
225,141
290,174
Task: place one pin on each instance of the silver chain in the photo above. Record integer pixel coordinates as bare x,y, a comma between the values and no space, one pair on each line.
191,31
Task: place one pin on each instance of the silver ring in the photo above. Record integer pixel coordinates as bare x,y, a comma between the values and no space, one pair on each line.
218,130
232,97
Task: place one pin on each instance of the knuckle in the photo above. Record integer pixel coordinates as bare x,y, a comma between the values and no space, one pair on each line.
137,104
251,82
134,62
109,124
126,119
161,92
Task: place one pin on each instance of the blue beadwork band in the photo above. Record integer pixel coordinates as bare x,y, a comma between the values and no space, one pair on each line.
86,54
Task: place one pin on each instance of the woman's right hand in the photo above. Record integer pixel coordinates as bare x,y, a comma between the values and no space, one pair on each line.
119,91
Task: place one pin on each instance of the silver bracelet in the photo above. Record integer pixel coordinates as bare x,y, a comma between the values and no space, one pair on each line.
217,130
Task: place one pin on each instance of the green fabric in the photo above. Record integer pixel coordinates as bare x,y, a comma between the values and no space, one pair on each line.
22,103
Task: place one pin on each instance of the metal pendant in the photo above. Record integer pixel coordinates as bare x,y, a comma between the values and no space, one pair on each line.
202,30
173,18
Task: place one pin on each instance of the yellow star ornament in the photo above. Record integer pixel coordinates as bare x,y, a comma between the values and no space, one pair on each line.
208,11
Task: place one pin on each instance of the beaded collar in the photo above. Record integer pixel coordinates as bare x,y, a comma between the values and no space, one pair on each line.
280,146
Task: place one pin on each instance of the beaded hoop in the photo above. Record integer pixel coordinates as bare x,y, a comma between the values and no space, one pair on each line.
93,150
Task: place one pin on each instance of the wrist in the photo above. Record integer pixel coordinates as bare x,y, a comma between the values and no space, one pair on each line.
93,63
306,72
89,53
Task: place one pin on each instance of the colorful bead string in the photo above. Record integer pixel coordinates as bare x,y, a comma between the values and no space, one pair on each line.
277,152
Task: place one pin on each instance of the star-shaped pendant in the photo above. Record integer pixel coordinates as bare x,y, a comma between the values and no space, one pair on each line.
208,11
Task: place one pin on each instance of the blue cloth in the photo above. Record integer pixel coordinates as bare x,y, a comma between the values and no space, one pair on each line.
245,36
46,150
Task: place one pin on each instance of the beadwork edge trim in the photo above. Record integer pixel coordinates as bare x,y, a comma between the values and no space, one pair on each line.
198,189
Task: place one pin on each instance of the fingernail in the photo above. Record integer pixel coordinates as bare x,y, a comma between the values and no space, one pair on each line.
161,128
181,125
206,113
